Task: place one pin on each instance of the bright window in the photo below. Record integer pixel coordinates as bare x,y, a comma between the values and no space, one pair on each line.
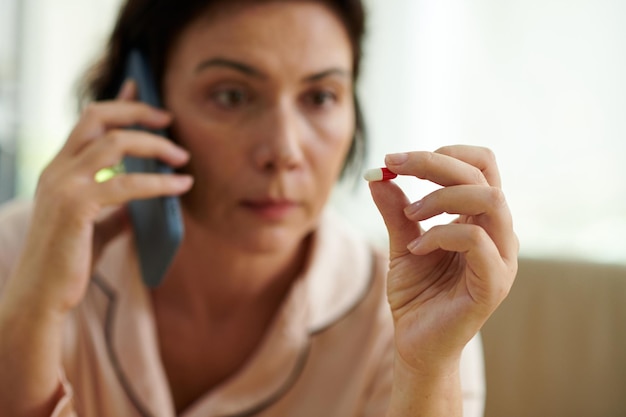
538,81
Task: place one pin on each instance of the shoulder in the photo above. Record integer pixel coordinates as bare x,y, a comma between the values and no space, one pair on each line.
14,222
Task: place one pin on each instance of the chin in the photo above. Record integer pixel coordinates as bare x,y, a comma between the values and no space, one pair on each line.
275,240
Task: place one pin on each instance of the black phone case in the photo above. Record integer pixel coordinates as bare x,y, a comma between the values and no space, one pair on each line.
157,222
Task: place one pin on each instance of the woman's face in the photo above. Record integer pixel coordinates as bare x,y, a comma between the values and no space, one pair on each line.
262,98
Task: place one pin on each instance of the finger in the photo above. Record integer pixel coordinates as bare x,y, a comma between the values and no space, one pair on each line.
436,167
482,158
98,118
128,90
471,200
391,202
487,205
110,149
126,187
480,253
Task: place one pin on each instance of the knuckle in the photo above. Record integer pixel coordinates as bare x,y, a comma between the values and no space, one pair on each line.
64,191
91,110
428,163
497,197
115,138
429,157
438,228
137,184
436,233
445,150
71,196
50,179
476,235
125,182
477,176
67,193
489,155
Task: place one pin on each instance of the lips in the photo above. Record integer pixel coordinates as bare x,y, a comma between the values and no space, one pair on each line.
271,209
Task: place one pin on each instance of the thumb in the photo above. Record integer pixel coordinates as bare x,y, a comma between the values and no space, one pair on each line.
391,201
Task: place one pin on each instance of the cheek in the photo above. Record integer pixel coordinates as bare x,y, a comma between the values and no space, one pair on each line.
215,171
330,151
337,134
205,142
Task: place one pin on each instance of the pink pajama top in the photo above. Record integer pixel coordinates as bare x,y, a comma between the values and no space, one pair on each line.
328,352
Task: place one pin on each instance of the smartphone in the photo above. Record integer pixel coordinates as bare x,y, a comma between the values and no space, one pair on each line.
157,222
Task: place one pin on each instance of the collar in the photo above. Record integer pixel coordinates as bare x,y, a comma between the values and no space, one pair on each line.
337,277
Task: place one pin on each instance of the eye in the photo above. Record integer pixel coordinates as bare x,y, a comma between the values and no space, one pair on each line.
230,98
321,98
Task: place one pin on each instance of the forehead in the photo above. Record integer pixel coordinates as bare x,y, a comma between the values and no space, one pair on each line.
305,34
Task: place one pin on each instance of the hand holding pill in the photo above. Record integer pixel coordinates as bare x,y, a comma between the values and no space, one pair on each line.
444,282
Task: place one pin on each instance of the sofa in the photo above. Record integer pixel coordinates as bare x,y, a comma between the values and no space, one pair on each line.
556,347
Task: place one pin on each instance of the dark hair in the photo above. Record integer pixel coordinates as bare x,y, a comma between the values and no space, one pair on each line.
153,26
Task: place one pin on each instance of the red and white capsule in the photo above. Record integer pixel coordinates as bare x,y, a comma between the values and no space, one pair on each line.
379,174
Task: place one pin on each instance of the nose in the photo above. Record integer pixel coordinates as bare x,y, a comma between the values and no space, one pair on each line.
280,140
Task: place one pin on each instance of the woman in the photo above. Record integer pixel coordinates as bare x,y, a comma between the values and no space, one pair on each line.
268,308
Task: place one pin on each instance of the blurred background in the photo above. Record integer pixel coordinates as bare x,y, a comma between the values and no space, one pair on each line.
541,82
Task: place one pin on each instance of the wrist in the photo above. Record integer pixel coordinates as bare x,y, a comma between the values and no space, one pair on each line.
427,368
427,361
430,389
27,304
30,356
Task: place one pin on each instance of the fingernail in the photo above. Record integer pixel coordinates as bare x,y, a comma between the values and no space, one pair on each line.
184,181
413,209
180,152
161,116
413,245
124,89
396,158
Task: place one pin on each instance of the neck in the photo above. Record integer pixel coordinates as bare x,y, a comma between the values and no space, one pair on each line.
214,279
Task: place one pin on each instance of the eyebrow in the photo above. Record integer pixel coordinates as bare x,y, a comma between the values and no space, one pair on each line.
228,63
253,72
328,73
